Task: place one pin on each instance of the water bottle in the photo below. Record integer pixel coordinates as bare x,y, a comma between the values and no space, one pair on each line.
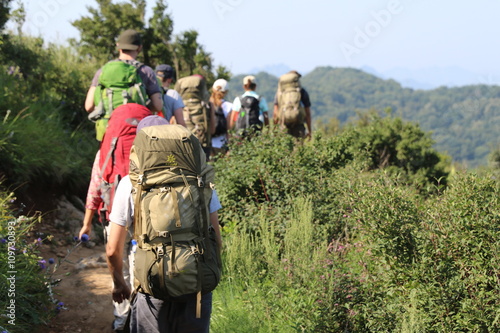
134,245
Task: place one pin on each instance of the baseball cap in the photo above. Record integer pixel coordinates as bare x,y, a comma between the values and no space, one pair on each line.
249,79
129,40
221,83
166,71
151,121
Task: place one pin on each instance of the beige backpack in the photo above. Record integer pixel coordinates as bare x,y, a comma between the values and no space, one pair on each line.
291,111
176,252
194,93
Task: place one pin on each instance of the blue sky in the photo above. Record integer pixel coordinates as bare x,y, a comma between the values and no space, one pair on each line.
416,36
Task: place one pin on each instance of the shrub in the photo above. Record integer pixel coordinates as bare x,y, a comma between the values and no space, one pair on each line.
24,297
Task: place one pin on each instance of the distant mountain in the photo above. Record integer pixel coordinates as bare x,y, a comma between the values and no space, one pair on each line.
464,121
430,78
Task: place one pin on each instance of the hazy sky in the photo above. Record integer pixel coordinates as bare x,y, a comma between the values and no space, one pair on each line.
382,34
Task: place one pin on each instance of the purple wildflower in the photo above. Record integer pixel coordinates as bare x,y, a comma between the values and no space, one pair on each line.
42,263
59,306
3,241
51,261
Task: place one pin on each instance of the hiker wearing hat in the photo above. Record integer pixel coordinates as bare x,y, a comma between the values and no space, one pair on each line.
250,111
172,101
105,94
120,81
222,111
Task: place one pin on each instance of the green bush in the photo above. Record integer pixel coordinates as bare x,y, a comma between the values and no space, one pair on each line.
316,239
47,142
24,294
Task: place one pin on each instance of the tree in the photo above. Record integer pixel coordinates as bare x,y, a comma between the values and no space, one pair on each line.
4,12
157,45
99,31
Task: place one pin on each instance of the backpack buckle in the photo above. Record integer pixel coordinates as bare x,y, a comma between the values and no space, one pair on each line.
200,181
165,189
163,234
160,251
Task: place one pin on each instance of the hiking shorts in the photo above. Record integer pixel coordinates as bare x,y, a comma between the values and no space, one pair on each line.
153,315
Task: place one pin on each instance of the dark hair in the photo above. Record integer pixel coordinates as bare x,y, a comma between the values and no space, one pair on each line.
250,86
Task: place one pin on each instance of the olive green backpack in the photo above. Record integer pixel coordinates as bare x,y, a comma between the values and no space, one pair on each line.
194,93
119,83
291,111
176,254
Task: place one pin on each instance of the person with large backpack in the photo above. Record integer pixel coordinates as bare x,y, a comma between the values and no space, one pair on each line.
110,165
121,81
250,111
169,202
198,114
172,102
292,107
222,110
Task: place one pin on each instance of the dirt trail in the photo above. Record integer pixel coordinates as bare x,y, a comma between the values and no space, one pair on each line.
86,292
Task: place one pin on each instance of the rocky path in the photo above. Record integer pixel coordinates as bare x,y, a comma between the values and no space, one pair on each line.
85,282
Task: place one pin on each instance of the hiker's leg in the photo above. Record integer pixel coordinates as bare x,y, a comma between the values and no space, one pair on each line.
148,314
185,315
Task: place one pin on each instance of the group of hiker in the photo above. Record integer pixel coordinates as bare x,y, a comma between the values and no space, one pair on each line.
152,186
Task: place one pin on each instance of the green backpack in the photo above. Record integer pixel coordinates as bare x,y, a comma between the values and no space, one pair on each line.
291,111
194,93
176,253
119,83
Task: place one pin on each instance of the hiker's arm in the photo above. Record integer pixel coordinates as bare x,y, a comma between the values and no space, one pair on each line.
308,121
179,117
266,118
212,119
114,253
89,100
214,220
93,197
233,115
276,115
87,222
156,104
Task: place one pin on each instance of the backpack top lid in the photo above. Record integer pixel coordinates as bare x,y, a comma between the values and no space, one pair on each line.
161,153
120,74
192,86
118,138
289,80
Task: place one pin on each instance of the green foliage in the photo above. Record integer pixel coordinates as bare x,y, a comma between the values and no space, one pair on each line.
99,31
399,147
24,294
4,12
322,236
46,138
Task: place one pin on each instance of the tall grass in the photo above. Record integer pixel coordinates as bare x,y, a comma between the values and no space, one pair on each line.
317,244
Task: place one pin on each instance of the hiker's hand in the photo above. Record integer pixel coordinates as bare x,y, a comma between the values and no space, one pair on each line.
86,229
121,293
